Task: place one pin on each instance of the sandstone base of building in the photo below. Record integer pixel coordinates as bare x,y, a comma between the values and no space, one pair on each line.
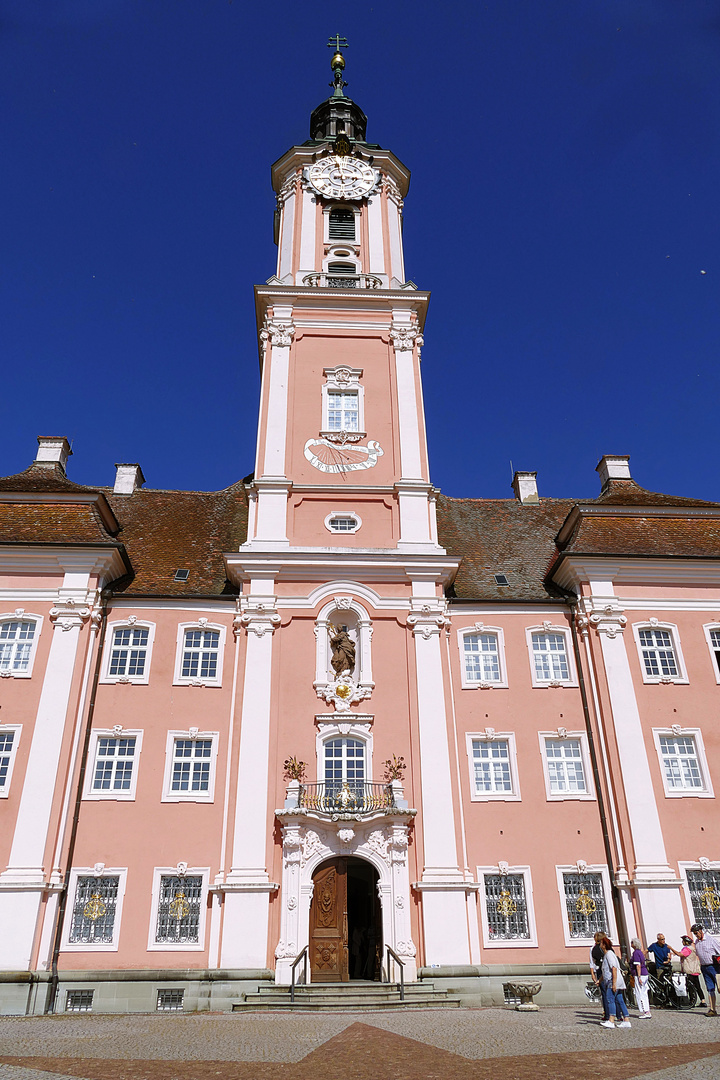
25,993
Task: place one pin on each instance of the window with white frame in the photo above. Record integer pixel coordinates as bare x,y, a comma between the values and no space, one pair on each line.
190,766
9,739
660,654
482,658
343,521
506,911
712,634
344,766
704,890
566,765
493,766
682,761
343,410
179,910
549,656
18,637
200,651
585,905
114,761
127,659
95,910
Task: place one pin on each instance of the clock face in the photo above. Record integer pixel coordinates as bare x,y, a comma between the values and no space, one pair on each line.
337,177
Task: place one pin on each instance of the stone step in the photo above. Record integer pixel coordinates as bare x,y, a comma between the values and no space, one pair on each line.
356,1005
331,997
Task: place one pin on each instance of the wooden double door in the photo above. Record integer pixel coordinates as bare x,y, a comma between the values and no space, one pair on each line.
345,922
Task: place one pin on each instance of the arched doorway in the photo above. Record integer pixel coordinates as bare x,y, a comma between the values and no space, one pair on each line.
345,922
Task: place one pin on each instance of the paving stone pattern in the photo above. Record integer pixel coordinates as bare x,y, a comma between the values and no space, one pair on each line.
468,1044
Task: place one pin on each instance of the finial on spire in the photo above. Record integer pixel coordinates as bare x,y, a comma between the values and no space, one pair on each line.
338,63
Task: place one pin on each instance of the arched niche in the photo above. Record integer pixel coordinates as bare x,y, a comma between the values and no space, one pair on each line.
343,612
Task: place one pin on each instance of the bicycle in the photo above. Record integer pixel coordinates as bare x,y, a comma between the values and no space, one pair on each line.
664,994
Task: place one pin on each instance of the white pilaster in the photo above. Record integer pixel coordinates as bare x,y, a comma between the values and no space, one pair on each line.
405,337
23,882
375,235
286,202
394,206
278,332
657,885
307,235
247,886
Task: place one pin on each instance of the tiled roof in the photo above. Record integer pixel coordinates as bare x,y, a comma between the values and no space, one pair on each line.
51,523
650,536
501,536
42,478
164,531
628,493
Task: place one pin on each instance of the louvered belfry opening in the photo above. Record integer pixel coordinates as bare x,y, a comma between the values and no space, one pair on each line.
342,225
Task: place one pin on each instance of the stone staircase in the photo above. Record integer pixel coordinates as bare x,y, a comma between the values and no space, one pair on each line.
354,996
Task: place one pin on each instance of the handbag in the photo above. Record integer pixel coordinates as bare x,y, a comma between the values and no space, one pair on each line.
680,985
716,962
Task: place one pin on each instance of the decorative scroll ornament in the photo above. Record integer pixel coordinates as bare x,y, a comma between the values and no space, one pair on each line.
279,332
324,455
178,907
585,904
429,619
393,191
67,614
503,869
343,692
609,620
287,189
506,905
258,618
709,899
581,866
98,869
405,338
704,863
95,907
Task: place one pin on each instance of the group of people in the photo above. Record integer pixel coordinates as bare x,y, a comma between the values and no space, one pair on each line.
700,957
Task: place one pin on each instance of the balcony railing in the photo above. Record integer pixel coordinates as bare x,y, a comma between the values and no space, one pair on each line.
342,281
346,797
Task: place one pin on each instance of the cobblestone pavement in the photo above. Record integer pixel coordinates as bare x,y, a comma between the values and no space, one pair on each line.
462,1044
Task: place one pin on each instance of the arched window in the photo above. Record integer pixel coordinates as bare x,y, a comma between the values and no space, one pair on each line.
342,224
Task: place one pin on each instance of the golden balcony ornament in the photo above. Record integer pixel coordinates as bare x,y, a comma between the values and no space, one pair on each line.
95,907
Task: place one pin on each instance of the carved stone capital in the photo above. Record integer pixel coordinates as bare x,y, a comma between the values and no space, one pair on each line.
68,614
428,619
393,192
279,332
608,620
286,190
256,617
405,338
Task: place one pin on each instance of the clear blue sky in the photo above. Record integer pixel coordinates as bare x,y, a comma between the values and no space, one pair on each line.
563,207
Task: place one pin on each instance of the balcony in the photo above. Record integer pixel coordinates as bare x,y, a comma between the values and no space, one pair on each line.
342,281
341,799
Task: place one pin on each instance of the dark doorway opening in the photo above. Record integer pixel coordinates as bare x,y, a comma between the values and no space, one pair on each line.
345,922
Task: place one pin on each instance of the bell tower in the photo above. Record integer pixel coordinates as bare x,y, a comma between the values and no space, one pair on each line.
341,456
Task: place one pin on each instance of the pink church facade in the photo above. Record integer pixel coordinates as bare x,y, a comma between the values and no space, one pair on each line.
548,670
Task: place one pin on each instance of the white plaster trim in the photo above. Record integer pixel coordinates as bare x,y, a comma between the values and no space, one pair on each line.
191,871
576,569
20,615
568,796
549,627
601,869
89,871
655,624
345,514
96,734
127,624
471,684
706,630
706,792
191,796
200,624
335,588
706,864
16,729
202,607
511,943
336,729
490,735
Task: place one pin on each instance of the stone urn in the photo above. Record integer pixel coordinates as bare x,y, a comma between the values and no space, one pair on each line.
526,992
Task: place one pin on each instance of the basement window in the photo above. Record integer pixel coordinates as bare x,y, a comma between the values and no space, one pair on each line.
181,575
79,1000
170,1000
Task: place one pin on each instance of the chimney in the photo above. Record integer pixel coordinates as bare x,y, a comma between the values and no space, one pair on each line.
53,450
128,478
613,467
525,487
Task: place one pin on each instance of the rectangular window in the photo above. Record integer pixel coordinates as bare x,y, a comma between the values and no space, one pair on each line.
550,658
8,748
704,888
506,907
191,763
128,655
491,766
482,658
170,1000
585,905
714,640
566,772
93,912
79,1001
200,654
178,913
658,654
16,641
343,411
114,764
680,763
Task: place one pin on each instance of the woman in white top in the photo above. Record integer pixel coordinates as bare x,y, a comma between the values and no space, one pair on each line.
613,985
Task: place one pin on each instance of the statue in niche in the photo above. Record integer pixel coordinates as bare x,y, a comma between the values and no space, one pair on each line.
343,650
